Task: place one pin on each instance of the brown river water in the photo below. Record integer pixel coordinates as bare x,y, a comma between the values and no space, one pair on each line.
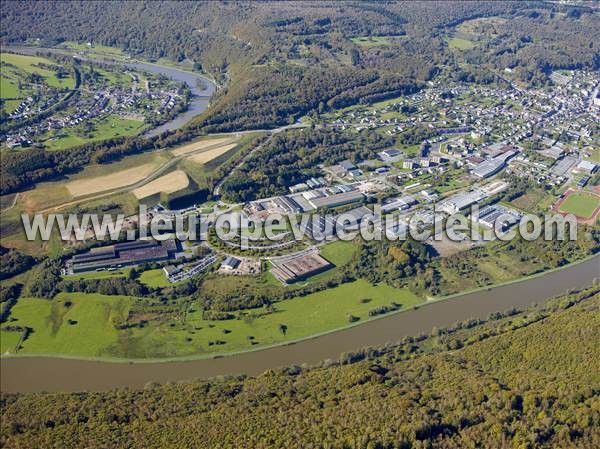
34,374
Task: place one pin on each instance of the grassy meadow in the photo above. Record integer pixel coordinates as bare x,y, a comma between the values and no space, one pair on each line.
80,324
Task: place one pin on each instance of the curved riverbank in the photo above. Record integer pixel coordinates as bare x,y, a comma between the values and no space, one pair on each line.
22,374
201,92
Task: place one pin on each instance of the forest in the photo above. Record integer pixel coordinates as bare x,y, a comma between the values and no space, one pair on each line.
522,379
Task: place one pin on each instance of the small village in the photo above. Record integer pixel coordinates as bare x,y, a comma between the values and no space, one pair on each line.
104,99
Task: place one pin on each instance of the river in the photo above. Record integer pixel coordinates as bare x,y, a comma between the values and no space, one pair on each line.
34,374
200,93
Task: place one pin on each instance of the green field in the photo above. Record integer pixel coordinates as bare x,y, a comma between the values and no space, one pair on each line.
106,128
580,204
339,252
94,334
94,49
154,278
91,327
460,44
371,41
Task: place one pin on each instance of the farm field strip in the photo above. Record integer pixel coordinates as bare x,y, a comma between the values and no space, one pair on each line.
200,145
79,324
207,156
169,183
84,187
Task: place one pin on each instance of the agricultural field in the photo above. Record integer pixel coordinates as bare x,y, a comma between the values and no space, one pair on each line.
209,155
532,200
201,145
84,324
169,183
122,178
203,173
93,179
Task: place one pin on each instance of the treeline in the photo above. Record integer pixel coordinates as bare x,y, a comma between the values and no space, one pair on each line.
13,262
513,379
8,298
415,265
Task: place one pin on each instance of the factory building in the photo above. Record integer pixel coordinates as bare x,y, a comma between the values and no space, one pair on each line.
124,254
298,268
335,200
461,201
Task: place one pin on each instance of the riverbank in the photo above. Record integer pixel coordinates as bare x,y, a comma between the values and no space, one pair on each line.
201,86
69,374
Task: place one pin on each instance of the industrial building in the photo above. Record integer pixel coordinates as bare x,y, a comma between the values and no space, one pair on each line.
488,168
399,204
587,167
230,263
288,204
301,267
490,214
390,154
335,200
461,201
124,254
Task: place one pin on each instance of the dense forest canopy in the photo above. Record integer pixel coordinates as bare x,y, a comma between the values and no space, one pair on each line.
517,379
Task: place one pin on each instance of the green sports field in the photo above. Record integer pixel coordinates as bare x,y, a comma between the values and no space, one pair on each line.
581,204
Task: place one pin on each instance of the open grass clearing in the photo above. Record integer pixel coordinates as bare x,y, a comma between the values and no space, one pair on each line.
154,278
92,331
460,43
70,324
105,128
170,183
371,41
